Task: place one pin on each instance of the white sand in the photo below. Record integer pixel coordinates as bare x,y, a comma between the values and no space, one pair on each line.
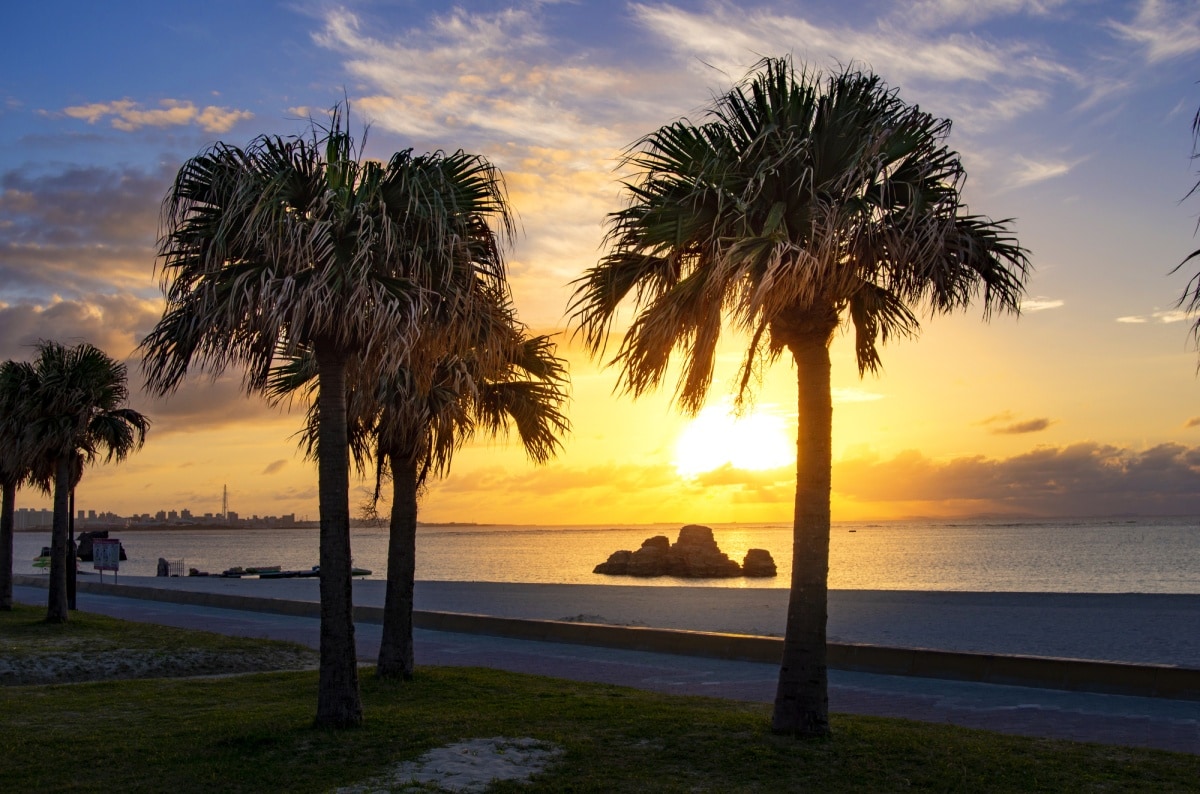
1162,629
468,766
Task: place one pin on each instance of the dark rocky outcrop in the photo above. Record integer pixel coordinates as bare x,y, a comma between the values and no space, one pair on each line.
758,562
695,555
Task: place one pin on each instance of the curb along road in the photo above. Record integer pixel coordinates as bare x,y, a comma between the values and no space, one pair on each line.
1076,675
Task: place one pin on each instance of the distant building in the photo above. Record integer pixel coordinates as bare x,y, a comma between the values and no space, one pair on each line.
30,518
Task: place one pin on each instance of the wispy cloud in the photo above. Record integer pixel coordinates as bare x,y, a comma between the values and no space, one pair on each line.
1040,304
1031,172
129,116
1021,428
1011,428
1165,317
729,34
851,395
275,466
1193,422
1163,29
938,13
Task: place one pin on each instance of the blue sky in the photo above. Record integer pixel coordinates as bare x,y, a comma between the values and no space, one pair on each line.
1073,118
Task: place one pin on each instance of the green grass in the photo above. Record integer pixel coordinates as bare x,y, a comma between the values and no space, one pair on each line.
254,733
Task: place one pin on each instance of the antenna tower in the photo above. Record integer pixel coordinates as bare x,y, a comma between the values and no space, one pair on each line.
225,502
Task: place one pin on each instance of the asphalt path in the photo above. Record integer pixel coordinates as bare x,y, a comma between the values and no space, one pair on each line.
1109,719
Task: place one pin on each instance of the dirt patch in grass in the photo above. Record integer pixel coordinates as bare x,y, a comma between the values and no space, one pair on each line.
97,648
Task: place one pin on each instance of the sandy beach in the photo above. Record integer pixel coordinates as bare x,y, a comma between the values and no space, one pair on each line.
1156,629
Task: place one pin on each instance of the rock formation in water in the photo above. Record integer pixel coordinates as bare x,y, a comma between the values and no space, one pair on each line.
695,555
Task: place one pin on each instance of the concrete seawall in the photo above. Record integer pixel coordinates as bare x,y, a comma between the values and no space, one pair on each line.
1083,675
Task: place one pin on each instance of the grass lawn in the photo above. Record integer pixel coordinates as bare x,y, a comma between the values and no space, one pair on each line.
253,733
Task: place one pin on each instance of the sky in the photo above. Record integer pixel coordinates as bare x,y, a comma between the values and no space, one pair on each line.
1073,118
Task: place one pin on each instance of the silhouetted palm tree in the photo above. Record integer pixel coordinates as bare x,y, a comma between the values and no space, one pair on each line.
298,244
17,380
77,415
419,427
1191,293
411,422
804,202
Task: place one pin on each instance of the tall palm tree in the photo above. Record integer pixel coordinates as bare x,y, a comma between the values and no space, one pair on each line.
78,414
17,381
293,244
805,201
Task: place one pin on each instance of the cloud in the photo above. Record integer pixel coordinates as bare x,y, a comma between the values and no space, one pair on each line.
1028,426
129,116
484,77
1011,428
275,466
1193,422
1030,172
1040,304
1081,479
1166,317
939,13
1164,30
842,395
77,230
727,35
114,323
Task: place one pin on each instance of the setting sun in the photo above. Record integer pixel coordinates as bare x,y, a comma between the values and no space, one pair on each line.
719,437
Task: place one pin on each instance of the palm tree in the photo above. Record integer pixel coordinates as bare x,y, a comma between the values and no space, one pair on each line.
421,425
805,201
410,422
16,385
1191,293
298,244
77,414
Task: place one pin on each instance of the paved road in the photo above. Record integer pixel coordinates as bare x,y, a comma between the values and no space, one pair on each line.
1111,719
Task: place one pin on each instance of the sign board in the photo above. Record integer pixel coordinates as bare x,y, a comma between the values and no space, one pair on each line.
106,554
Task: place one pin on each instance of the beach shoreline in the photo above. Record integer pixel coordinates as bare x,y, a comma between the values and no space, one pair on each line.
1121,627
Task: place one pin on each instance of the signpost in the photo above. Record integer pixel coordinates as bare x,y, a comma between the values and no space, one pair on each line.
106,556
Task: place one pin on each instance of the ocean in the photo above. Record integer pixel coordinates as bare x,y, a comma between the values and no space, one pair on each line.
1108,555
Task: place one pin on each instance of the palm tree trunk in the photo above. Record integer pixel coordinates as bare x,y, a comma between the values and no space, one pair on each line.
56,606
72,554
802,698
8,508
396,646
339,703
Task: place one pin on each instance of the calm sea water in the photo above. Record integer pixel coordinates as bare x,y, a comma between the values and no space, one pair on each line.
1158,555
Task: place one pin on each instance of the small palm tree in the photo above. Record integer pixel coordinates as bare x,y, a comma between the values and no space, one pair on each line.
804,202
410,422
77,415
298,244
17,380
420,426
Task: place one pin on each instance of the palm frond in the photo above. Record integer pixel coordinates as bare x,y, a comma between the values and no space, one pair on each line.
804,200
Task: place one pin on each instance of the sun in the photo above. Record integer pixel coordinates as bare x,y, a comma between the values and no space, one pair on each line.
718,437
